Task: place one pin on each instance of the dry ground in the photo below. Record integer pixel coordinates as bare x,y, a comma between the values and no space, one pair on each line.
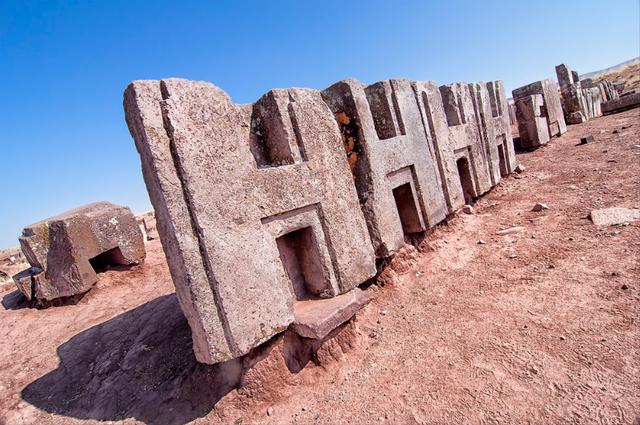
630,75
536,327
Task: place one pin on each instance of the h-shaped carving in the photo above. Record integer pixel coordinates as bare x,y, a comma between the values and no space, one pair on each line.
394,168
255,206
491,110
455,134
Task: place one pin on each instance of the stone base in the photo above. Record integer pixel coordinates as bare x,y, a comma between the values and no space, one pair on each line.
317,318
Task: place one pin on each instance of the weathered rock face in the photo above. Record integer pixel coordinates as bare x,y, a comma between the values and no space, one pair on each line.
66,250
255,204
457,141
632,100
532,124
492,113
537,113
257,207
581,100
394,168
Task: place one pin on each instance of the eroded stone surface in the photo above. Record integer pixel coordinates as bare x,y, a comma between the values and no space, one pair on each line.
255,206
317,318
66,250
538,105
613,216
394,169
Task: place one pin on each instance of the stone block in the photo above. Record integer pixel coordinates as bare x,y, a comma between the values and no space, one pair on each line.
492,114
456,141
66,250
551,106
393,166
532,124
623,103
316,319
255,207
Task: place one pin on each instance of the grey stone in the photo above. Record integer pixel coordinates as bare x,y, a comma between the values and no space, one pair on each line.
255,207
546,111
621,104
582,100
613,216
394,169
587,138
532,124
66,250
539,207
510,230
316,319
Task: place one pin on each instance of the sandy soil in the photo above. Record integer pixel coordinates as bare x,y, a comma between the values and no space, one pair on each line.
535,327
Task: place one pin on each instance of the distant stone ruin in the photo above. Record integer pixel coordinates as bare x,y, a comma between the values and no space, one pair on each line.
268,210
67,251
539,113
581,100
147,224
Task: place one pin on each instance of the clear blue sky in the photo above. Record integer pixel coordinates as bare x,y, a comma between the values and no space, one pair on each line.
64,66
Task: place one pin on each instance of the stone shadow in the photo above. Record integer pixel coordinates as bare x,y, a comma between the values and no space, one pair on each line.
139,365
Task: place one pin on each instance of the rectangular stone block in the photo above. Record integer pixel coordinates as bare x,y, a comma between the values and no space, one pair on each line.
551,107
66,250
624,102
391,159
492,114
255,206
532,124
457,142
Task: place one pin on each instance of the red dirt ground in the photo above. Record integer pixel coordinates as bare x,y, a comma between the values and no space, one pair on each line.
536,327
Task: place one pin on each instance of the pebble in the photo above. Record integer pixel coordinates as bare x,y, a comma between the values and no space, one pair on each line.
510,230
270,411
624,287
539,207
562,338
481,242
467,209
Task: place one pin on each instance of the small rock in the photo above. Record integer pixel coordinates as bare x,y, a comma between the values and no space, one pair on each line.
481,242
270,411
614,216
519,169
615,132
383,312
562,338
467,209
539,207
510,230
624,286
587,138
513,256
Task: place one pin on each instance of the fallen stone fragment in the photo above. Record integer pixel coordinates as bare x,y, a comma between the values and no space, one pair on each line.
614,216
467,209
510,230
520,168
67,251
587,138
539,207
317,318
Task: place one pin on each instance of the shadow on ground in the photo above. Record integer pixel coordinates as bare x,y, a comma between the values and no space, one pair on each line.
139,365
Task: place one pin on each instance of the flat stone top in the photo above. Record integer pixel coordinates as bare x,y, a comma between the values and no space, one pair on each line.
612,216
88,210
317,318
